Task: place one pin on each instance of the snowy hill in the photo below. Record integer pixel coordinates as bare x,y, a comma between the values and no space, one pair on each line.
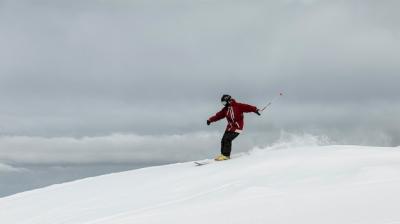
317,184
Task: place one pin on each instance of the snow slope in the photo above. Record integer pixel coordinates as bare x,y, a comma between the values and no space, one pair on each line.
315,184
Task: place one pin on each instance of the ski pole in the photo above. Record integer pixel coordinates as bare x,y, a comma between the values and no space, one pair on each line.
273,99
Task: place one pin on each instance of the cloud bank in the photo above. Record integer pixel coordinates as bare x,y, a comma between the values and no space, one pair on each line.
116,148
5,168
135,149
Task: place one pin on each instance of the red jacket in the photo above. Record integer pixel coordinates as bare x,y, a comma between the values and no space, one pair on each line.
234,115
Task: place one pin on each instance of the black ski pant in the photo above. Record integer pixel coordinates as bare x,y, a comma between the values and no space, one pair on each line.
226,142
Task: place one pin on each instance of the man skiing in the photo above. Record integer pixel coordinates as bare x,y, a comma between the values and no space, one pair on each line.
233,112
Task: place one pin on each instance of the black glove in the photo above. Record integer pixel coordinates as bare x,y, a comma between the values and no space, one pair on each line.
208,122
258,112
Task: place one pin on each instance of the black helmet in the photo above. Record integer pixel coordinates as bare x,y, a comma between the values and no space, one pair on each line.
225,99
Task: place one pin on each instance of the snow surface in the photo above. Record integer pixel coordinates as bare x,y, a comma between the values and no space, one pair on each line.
314,184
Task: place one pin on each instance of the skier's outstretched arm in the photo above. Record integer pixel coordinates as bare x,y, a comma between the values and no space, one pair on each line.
246,108
218,116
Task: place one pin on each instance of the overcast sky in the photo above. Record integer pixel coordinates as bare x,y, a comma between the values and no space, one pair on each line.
133,81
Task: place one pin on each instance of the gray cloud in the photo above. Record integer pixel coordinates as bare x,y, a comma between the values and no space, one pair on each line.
94,68
116,148
5,168
156,149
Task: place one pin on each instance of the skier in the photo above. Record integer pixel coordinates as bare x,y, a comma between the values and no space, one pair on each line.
233,112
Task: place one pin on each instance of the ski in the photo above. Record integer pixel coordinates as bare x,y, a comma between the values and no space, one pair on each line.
201,163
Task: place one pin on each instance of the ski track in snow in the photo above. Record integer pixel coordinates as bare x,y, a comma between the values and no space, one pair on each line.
161,204
316,184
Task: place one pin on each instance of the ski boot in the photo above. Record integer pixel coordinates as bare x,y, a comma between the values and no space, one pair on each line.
222,158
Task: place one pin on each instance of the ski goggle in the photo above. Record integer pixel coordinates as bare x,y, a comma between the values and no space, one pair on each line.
224,103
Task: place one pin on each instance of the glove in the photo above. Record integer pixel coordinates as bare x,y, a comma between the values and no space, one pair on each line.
208,122
258,112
